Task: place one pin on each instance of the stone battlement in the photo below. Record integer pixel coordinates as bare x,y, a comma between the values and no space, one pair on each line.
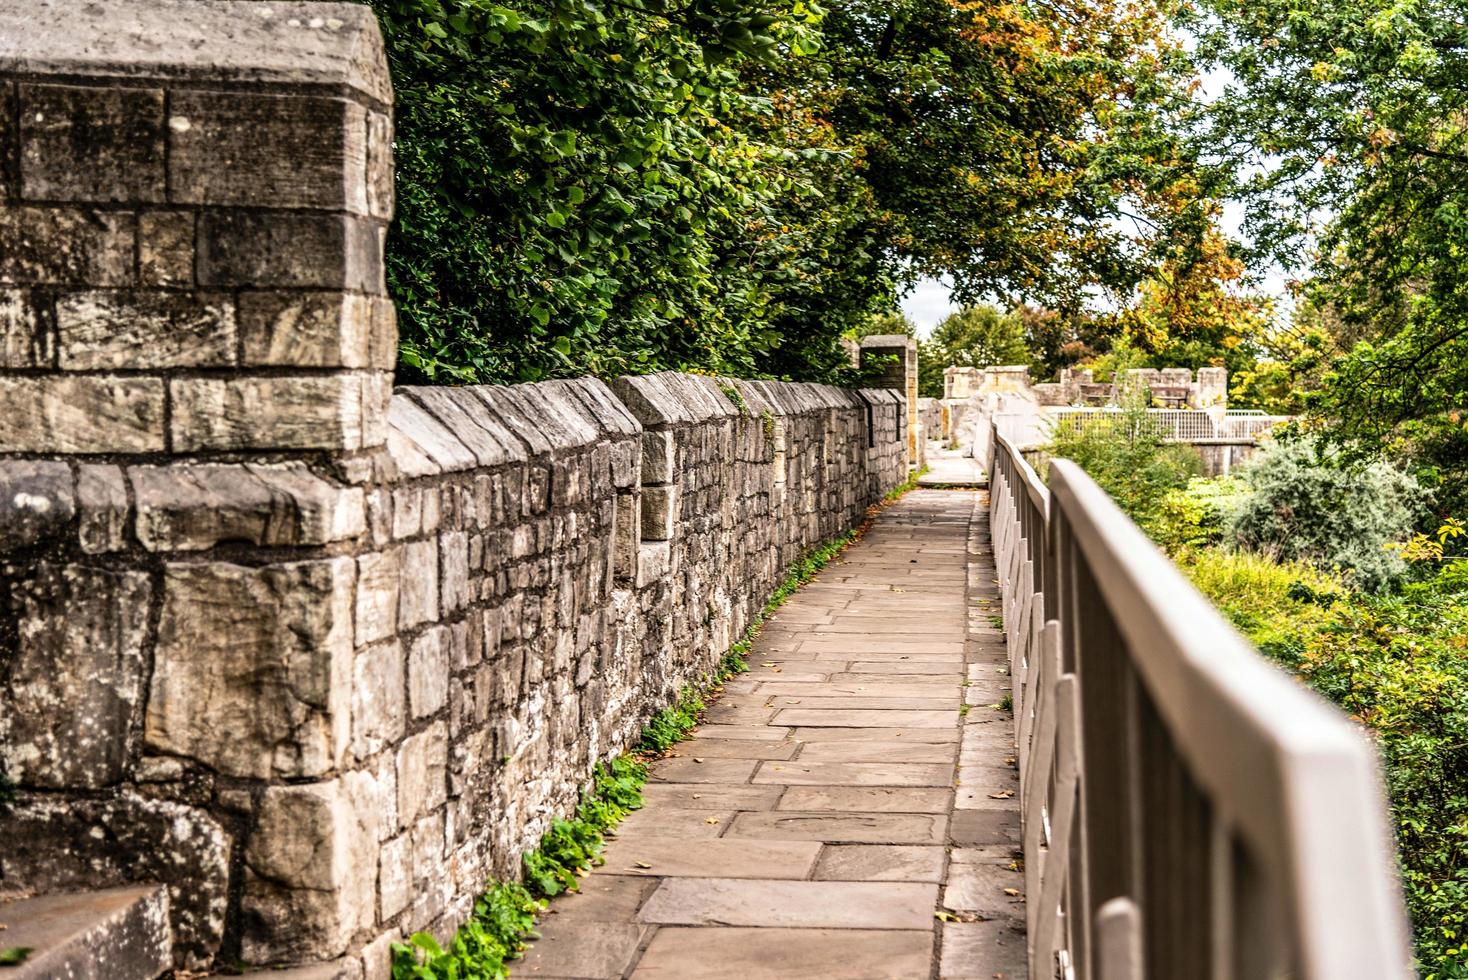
1207,389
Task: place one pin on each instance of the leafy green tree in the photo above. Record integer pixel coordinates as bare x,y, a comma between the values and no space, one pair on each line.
997,139
1346,127
1126,454
731,185
582,188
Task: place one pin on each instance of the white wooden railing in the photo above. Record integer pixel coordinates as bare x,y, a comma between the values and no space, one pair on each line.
1189,810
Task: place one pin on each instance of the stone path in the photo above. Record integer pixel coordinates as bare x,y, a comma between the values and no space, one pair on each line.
838,815
950,468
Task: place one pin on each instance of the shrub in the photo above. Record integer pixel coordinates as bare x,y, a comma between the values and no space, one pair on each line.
1125,453
1307,505
1197,515
1396,664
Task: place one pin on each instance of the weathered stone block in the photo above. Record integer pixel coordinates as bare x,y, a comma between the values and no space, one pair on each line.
101,499
166,248
378,580
654,562
74,844
395,875
626,536
379,165
315,412
428,672
307,884
25,340
281,151
188,507
422,773
327,251
453,588
59,246
418,596
379,710
268,648
100,331
659,512
77,677
318,329
81,414
36,501
659,457
83,143
9,141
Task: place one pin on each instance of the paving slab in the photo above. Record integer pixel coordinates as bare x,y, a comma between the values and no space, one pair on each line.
992,950
880,862
675,822
698,796
585,949
682,857
878,750
868,799
686,770
857,718
604,898
842,828
734,748
810,736
988,890
859,689
855,773
811,904
678,953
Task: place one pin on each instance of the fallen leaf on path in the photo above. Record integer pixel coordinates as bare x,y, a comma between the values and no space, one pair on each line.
1011,892
642,864
1003,794
699,761
712,820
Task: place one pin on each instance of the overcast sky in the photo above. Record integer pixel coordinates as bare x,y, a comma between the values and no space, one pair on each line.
927,304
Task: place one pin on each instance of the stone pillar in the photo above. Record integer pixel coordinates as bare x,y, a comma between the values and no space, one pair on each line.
191,249
1212,392
196,356
901,375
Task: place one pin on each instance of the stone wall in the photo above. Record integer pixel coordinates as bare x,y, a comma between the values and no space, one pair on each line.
319,655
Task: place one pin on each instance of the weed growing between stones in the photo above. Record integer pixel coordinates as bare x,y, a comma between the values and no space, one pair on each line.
909,484
504,917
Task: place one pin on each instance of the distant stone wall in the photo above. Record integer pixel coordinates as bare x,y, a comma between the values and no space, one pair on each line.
322,656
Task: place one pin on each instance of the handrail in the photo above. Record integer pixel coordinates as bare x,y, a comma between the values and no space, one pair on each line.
1188,809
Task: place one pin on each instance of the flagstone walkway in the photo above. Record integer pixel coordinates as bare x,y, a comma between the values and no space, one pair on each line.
839,815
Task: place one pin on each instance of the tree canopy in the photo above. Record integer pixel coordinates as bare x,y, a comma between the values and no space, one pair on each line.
733,184
1345,131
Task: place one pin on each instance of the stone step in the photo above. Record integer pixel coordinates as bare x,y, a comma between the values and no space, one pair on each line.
112,934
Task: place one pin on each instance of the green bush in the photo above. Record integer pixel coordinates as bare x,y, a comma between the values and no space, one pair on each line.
591,188
1197,515
1306,504
1125,453
1397,665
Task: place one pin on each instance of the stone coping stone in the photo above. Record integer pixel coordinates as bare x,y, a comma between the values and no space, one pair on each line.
883,396
219,41
886,340
119,933
434,430
669,398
